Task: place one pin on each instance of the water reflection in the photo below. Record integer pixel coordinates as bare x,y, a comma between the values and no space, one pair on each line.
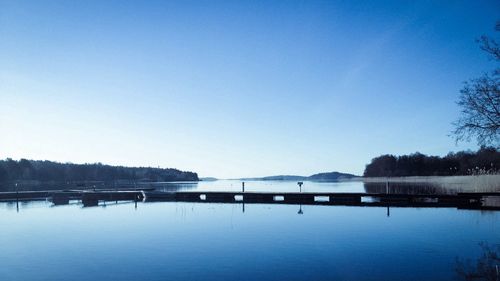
300,212
426,186
177,186
200,241
486,267
406,188
89,185
165,189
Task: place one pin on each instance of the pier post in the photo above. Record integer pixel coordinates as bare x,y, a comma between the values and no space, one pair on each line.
17,198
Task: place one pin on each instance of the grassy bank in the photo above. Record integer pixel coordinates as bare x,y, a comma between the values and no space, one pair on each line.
481,183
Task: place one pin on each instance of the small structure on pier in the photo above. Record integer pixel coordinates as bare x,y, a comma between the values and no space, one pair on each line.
300,185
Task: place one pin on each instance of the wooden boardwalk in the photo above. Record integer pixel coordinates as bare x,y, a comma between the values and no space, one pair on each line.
460,200
87,197
92,198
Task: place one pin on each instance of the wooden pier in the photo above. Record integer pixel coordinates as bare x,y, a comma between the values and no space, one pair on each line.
460,200
87,197
92,198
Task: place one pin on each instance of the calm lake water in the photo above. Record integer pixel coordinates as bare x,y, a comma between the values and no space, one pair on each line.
282,186
203,241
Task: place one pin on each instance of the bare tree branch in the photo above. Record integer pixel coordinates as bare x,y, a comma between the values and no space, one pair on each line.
480,102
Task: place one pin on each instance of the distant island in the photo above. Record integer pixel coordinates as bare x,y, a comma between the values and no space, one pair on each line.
330,176
48,171
208,179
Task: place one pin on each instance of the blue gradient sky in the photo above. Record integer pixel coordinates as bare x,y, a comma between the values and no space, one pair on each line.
235,89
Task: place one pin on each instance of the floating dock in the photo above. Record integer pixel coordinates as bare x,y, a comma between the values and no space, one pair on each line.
87,197
459,200
92,198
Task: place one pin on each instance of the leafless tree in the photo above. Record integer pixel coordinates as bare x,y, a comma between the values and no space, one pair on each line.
480,102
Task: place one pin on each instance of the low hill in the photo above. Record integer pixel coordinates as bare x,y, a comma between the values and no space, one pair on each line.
284,178
330,176
209,179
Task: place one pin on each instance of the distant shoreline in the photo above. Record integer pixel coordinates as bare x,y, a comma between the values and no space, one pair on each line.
425,178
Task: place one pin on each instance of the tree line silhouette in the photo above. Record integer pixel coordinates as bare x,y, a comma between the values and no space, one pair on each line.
12,170
485,161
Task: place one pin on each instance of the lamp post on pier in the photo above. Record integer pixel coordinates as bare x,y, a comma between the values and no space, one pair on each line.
300,185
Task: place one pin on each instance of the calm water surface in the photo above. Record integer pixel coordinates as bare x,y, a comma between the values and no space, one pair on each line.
282,186
196,241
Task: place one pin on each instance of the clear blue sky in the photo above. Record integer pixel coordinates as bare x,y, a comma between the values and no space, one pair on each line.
236,88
